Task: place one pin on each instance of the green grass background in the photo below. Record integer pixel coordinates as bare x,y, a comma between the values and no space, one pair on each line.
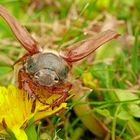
111,74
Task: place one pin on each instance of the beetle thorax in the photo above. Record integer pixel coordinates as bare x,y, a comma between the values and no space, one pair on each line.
47,69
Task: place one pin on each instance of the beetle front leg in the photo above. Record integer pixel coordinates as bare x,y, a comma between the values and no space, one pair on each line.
60,100
61,88
63,91
25,83
22,59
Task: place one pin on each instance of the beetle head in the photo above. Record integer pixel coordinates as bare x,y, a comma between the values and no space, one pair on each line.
47,69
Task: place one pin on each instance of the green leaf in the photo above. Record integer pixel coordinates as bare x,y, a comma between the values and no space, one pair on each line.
134,110
103,3
31,131
124,95
5,69
11,134
103,112
38,130
124,115
108,50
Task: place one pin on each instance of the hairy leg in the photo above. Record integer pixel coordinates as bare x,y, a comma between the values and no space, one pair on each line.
60,100
25,83
22,59
63,90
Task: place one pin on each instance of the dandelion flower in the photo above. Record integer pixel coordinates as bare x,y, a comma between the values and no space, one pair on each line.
16,110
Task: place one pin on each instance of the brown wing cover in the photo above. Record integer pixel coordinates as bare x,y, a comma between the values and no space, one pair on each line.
86,47
19,31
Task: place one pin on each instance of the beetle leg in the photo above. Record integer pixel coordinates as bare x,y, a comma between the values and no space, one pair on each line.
33,106
22,59
20,80
60,89
60,100
63,90
25,83
28,87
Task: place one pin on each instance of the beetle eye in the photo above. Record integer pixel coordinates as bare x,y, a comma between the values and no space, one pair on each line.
36,75
56,79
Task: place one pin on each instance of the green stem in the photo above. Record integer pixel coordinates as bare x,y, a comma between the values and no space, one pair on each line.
114,122
83,112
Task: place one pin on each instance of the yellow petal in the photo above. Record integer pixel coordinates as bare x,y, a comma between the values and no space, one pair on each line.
88,80
15,107
45,113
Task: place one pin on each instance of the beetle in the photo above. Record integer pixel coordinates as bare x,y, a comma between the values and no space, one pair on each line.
45,73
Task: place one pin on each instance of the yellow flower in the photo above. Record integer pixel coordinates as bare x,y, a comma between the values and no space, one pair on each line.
88,80
16,110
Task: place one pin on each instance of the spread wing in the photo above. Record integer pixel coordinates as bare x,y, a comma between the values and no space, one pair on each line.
86,47
19,31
